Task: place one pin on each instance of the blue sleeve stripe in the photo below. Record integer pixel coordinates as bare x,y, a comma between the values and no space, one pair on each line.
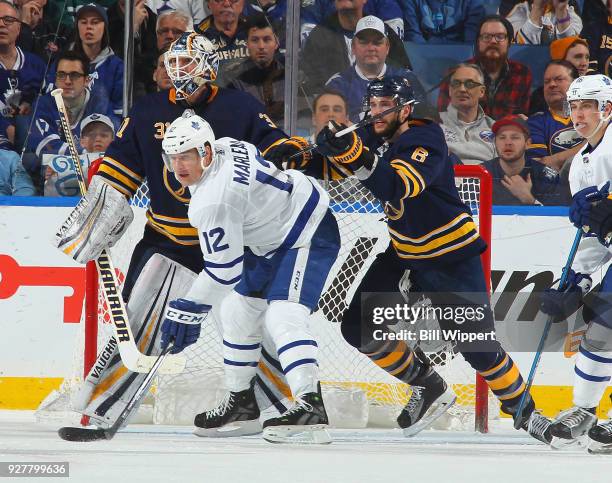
242,347
240,364
296,343
591,378
595,357
221,280
224,265
301,362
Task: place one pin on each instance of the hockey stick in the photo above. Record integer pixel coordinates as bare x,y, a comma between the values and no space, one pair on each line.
364,122
85,434
131,357
549,322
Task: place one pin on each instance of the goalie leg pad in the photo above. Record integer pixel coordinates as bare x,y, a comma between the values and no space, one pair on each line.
242,334
97,222
109,385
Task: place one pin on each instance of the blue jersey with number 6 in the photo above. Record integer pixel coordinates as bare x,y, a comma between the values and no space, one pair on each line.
244,201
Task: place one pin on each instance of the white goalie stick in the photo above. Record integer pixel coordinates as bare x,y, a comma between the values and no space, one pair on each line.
132,358
88,434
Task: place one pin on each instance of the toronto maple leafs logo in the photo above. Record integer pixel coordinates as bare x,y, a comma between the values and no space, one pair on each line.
195,125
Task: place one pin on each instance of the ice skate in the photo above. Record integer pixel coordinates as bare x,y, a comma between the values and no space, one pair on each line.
430,399
600,438
571,426
236,415
305,422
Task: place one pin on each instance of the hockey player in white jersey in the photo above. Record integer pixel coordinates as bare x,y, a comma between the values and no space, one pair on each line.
590,101
270,236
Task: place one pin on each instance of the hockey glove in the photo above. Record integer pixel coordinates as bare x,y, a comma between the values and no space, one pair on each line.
281,154
182,323
563,302
580,209
347,150
600,220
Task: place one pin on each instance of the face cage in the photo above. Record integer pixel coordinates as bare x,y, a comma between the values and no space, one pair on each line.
187,82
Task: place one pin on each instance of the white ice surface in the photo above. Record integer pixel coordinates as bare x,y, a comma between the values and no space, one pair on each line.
143,453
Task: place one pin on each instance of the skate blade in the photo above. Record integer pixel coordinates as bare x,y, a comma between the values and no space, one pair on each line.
561,444
595,447
237,428
436,410
298,434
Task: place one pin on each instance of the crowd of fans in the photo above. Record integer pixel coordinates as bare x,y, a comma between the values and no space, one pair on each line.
491,108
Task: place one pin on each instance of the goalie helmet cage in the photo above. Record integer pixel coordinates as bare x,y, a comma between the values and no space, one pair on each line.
474,184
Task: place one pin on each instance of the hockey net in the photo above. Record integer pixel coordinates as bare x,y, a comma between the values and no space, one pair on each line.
357,393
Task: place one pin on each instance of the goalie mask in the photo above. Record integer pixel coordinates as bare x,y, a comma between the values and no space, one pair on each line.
189,131
191,61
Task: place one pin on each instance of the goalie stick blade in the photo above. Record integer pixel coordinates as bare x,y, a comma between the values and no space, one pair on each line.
83,434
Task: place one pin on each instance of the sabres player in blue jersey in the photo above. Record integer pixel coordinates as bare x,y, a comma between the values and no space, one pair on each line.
435,245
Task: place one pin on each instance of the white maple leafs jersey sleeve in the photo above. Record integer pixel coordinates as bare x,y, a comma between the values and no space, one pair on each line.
591,168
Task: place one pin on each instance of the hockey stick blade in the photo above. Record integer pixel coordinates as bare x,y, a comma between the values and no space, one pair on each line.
85,435
82,434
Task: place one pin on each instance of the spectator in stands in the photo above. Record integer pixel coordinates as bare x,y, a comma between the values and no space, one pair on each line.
518,180
195,9
160,75
21,73
432,21
598,32
329,105
14,180
315,12
225,27
40,35
326,50
71,76
573,49
97,132
507,82
370,47
466,127
171,24
540,22
145,42
553,138
274,10
262,74
92,41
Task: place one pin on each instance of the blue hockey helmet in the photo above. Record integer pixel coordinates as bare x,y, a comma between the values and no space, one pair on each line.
394,86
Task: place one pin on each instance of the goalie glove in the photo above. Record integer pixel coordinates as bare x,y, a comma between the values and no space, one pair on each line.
97,222
182,323
563,302
281,154
347,150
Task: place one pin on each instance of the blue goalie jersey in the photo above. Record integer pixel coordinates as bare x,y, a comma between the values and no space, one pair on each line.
428,222
135,153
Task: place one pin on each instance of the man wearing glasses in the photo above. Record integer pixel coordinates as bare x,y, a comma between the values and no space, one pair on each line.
225,27
507,82
46,136
467,129
21,73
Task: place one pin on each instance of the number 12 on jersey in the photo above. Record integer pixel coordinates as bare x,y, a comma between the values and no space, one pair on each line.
213,239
